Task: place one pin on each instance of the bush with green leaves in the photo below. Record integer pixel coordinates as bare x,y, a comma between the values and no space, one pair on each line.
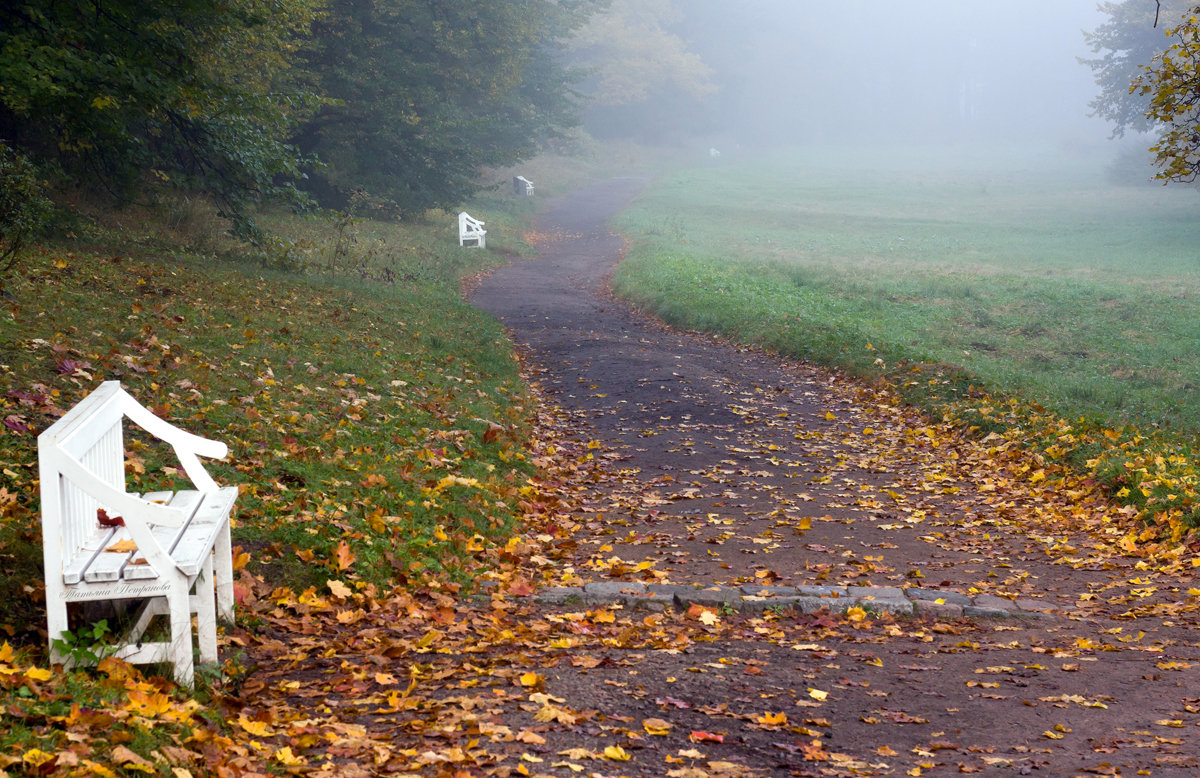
24,208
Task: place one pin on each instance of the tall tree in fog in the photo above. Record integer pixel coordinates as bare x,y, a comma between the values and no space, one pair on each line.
427,91
643,77
1125,44
1172,85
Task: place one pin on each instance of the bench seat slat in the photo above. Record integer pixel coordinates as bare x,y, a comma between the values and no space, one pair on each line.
84,557
187,546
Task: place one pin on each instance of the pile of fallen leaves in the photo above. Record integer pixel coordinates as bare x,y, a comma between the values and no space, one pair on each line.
1155,476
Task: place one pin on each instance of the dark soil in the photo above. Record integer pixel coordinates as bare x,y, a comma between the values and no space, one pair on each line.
723,464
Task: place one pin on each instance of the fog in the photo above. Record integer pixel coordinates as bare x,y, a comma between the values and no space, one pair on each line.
920,71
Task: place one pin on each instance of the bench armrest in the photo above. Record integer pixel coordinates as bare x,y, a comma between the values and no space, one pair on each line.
186,445
130,507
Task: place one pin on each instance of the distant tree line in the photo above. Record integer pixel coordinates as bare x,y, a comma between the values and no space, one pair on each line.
250,100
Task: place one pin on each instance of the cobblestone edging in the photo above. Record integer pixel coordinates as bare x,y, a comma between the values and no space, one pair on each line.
806,599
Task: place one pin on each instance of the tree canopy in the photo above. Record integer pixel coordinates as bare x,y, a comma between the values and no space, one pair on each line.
122,95
1124,45
245,99
1171,83
425,92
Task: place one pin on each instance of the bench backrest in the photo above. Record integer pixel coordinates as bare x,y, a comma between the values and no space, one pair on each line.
82,455
468,225
90,433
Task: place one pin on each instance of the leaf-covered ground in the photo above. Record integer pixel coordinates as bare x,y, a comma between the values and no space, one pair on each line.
668,457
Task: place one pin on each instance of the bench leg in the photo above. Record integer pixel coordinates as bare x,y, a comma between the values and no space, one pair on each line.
223,568
56,625
180,610
206,614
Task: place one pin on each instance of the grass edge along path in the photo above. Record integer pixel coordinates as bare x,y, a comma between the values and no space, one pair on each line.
379,432
1154,475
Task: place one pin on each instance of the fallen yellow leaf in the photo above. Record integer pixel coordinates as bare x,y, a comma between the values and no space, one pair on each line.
616,754
656,726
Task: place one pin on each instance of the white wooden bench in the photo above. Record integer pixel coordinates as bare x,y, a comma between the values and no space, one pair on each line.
522,186
170,550
471,229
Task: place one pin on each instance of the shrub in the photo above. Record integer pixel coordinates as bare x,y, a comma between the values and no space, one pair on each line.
24,209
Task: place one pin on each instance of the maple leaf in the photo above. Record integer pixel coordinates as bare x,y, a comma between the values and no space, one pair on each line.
814,751
254,727
552,713
344,556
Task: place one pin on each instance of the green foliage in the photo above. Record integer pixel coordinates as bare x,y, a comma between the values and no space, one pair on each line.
24,208
1172,85
643,79
1125,44
426,93
86,645
634,56
134,93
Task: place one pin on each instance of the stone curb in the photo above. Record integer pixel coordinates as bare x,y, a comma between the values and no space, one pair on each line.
911,601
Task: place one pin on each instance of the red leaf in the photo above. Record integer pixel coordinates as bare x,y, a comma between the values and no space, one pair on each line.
108,521
700,736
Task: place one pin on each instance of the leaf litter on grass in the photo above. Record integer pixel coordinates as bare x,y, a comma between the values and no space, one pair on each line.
344,678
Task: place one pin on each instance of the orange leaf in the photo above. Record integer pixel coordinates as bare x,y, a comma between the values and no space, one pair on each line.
344,556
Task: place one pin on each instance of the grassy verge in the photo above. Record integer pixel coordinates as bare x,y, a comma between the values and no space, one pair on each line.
377,426
1028,298
376,421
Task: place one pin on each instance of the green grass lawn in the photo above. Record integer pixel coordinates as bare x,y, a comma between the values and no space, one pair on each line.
376,422
1034,275
1021,295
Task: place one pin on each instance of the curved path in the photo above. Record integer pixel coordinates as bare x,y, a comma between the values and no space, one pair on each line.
735,466
729,466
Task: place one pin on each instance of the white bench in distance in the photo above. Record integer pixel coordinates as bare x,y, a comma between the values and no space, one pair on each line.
471,229
522,186
181,538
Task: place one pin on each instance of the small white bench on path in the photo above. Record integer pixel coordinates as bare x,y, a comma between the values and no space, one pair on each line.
522,186
170,549
471,229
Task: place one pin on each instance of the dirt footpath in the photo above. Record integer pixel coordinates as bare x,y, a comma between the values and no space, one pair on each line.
721,465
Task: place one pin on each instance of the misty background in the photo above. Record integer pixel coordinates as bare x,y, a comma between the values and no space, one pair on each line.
782,72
